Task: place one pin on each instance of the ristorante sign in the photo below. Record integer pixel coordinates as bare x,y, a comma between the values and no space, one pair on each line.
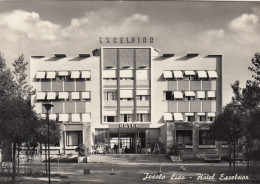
125,40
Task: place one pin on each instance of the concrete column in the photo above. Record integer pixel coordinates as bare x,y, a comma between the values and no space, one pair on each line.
170,139
195,139
87,135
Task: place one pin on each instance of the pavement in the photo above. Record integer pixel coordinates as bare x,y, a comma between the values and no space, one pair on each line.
128,173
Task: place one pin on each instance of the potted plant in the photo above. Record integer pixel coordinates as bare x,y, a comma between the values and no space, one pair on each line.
175,152
83,153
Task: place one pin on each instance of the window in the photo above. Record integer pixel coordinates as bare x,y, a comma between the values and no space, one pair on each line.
143,117
204,138
211,118
110,95
168,95
109,118
191,118
184,137
142,97
202,118
126,117
74,138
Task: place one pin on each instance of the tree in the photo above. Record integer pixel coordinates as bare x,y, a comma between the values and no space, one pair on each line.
228,127
256,66
19,123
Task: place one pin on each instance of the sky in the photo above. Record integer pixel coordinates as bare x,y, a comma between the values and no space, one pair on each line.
232,29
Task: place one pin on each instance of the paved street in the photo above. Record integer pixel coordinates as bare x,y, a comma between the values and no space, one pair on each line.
181,172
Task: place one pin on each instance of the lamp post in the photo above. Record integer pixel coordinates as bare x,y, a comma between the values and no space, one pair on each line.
48,107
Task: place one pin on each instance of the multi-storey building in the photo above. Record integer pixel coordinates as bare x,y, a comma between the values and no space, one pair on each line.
129,96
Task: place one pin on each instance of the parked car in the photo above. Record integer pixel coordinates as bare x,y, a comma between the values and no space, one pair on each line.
212,155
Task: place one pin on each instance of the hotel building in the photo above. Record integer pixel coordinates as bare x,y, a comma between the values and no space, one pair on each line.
129,96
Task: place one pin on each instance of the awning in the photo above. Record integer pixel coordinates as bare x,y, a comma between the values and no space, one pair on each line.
178,116
85,95
109,73
110,113
63,95
202,74
142,92
63,73
63,117
53,117
201,114
189,73
40,96
74,95
178,74
201,94
85,74
211,114
167,74
143,111
167,117
211,94
51,96
43,116
178,94
212,74
126,93
75,117
127,112
51,75
86,118
189,114
189,93
74,74
40,75
126,74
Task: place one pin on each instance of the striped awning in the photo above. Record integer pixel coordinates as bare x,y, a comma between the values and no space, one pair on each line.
201,114
110,113
189,93
40,75
74,95
201,94
74,74
202,74
177,94
85,95
75,117
178,116
51,75
178,74
167,117
63,117
211,94
189,72
51,96
85,74
167,74
63,73
211,114
40,96
63,95
189,114
212,74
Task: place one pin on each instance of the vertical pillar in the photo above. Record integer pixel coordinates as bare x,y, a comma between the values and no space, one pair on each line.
195,139
134,92
118,139
170,139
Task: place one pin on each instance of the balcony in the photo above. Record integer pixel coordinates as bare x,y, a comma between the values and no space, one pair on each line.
109,83
110,103
143,83
126,83
143,103
124,103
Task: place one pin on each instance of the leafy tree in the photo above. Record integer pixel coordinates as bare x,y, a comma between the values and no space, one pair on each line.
19,124
256,66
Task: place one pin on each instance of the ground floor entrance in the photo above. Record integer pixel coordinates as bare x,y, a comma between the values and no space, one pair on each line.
127,140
